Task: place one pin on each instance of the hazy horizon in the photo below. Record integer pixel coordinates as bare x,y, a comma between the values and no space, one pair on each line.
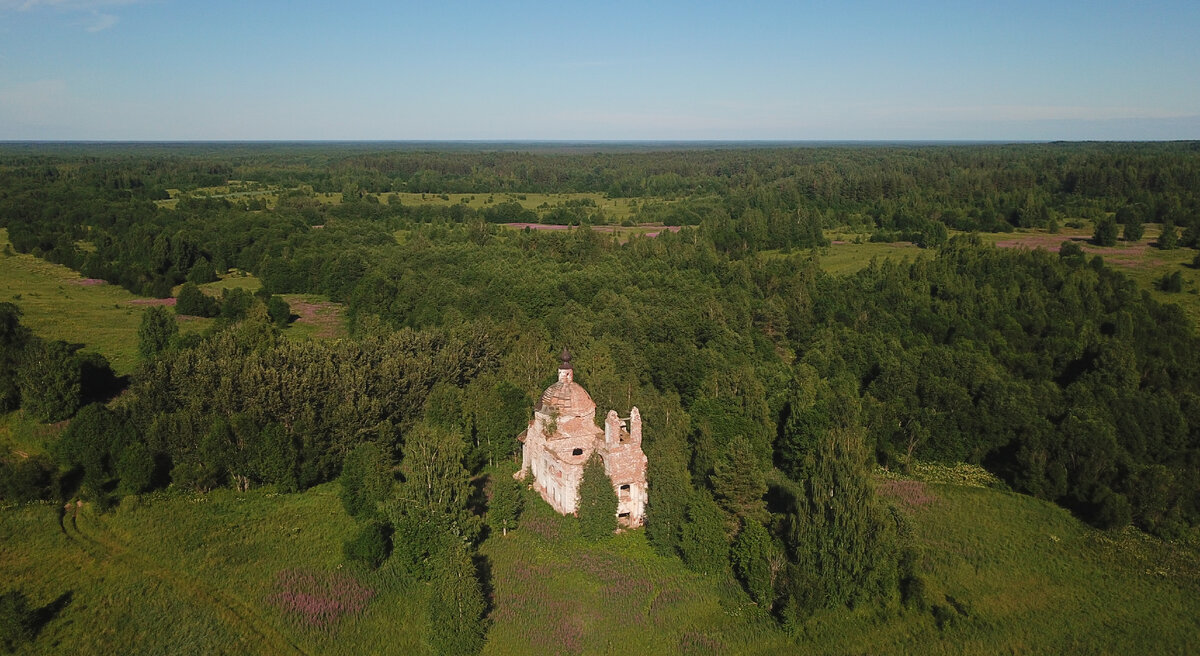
164,70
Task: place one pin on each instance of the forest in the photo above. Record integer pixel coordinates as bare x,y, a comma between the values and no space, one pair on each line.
773,391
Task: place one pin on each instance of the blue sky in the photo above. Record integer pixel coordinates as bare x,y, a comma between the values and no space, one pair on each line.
170,69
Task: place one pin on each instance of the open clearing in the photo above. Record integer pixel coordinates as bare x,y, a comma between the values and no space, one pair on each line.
58,303
615,210
1139,260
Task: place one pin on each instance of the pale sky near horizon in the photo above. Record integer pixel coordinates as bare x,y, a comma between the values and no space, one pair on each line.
218,70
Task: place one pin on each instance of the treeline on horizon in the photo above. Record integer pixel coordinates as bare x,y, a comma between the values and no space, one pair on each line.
764,382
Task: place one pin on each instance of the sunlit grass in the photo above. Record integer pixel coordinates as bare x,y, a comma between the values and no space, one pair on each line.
22,436
179,573
57,303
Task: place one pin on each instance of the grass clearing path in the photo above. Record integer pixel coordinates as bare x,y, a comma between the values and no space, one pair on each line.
91,536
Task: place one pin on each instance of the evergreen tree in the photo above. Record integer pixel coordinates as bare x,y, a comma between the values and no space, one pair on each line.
738,481
504,508
202,272
1105,233
456,606
1169,239
157,332
276,460
703,545
1191,234
839,534
597,501
1134,230
234,305
666,508
279,311
754,559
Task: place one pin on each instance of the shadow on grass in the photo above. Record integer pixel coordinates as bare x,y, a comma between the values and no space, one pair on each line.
42,616
483,572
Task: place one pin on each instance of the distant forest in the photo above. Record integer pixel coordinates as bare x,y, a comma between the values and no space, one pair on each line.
763,380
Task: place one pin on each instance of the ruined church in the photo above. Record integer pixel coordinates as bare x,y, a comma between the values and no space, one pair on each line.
562,436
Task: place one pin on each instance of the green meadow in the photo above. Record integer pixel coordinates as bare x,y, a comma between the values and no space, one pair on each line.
57,303
173,572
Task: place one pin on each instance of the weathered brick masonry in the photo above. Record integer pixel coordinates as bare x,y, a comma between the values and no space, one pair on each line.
562,436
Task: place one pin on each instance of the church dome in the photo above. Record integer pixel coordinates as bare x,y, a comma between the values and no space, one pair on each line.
568,399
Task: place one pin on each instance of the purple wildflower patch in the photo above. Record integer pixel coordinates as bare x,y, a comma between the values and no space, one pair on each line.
912,494
319,600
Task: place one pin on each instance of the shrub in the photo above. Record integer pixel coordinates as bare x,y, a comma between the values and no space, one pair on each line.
366,479
752,554
418,540
135,467
193,302
1106,232
279,311
914,593
702,541
201,272
28,479
1112,510
1170,282
371,545
457,606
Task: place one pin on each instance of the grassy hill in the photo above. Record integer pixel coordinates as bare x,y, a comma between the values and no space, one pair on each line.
180,573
